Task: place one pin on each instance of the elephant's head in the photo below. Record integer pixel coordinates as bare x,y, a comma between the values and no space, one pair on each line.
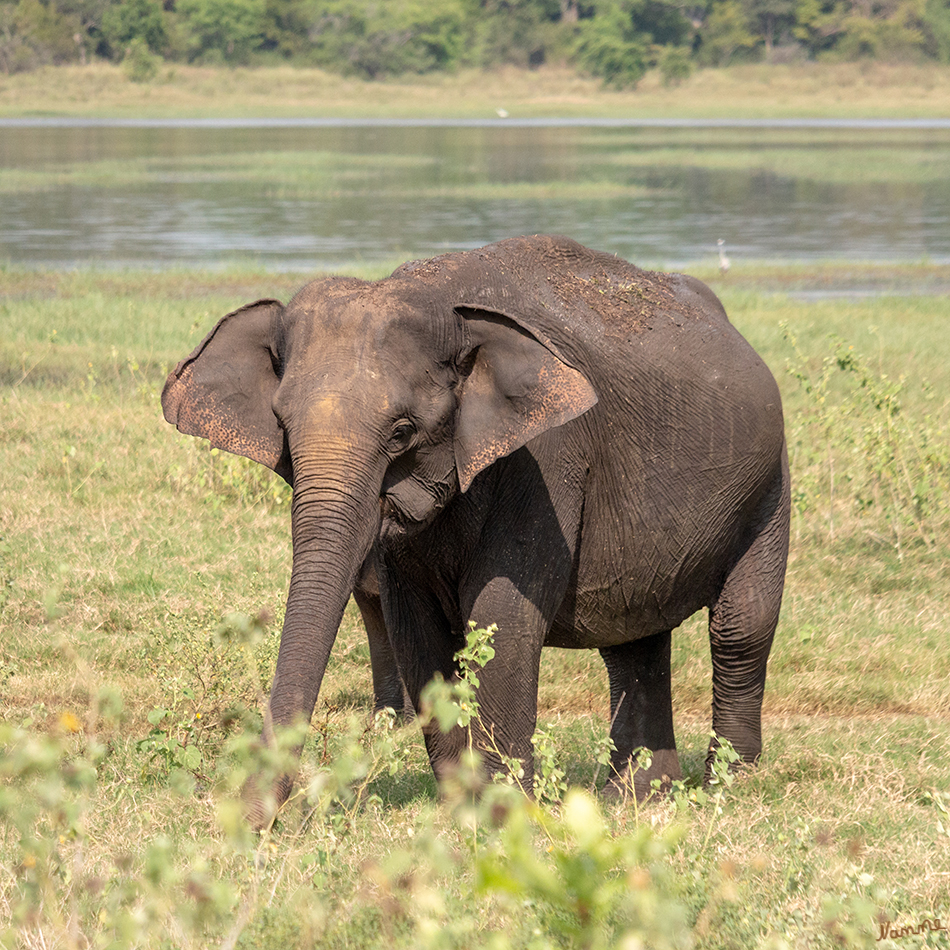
378,402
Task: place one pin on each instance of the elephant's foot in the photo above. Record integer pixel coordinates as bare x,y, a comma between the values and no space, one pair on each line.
466,773
732,759
404,710
632,780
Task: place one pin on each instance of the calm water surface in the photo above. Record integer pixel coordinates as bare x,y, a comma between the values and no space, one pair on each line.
308,198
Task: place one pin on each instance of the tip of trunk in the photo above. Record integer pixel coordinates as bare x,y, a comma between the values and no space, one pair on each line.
261,807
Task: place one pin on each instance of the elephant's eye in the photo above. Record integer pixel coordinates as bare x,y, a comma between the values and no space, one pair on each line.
402,435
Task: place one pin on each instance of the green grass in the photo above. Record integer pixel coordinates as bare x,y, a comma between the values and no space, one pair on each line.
300,175
123,544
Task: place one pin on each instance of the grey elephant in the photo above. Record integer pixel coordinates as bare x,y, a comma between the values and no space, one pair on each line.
531,434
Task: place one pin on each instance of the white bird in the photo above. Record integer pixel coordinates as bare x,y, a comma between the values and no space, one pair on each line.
723,260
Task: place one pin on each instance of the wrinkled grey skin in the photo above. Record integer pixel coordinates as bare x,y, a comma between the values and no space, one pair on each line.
531,434
388,688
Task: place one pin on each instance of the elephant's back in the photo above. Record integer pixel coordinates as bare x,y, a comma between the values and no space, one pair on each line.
599,310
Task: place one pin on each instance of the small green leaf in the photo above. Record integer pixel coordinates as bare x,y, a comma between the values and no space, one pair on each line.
191,758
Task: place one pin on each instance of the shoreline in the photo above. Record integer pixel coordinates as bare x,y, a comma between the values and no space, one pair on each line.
593,122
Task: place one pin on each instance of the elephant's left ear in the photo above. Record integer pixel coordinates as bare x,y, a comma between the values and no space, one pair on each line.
519,387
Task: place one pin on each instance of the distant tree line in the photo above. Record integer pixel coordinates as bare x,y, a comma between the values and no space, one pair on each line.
617,40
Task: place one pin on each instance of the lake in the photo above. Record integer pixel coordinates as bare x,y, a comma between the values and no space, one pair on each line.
324,195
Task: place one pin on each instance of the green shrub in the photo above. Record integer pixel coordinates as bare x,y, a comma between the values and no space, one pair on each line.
34,34
860,462
608,46
225,31
401,36
140,64
727,32
676,65
135,20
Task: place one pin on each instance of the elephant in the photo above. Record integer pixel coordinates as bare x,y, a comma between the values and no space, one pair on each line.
530,434
388,687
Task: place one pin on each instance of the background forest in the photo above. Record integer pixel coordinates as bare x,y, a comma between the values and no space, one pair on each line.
616,40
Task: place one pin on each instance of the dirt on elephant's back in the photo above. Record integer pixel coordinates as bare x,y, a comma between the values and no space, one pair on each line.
625,300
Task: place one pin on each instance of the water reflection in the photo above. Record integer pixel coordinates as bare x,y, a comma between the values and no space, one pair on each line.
320,198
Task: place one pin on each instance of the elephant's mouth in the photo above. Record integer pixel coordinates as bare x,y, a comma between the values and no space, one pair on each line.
406,513
395,522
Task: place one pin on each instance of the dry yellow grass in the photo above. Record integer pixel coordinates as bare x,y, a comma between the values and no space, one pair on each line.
843,90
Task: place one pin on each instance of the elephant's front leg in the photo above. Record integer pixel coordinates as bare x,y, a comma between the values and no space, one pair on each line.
519,584
507,694
511,546
425,645
641,713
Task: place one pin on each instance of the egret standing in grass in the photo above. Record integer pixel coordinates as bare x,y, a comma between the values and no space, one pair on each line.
723,260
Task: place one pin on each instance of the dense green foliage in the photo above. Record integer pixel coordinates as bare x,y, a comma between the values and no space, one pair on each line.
617,40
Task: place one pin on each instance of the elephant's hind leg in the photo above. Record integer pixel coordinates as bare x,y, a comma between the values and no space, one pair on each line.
641,712
742,625
388,688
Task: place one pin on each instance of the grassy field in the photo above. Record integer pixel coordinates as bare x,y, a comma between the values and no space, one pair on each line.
849,90
124,544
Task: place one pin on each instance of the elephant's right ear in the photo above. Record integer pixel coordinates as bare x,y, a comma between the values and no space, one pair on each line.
224,391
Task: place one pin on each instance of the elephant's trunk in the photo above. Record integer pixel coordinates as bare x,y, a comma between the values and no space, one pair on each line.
335,519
